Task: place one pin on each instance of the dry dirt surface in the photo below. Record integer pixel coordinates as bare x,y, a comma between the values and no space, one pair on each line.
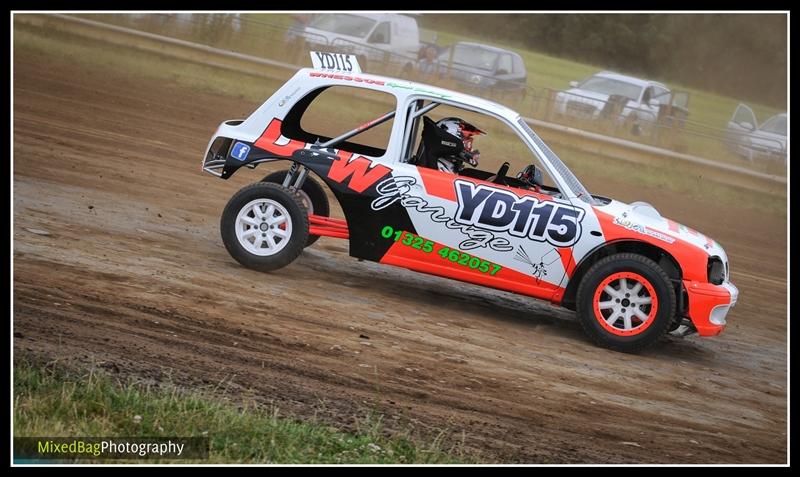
118,262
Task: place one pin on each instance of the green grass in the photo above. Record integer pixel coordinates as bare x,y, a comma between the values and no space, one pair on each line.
653,179
56,401
256,89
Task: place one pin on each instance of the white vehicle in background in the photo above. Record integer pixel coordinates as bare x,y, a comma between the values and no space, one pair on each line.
372,37
752,141
633,101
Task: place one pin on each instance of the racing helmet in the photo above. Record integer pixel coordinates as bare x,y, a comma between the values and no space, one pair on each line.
447,144
463,132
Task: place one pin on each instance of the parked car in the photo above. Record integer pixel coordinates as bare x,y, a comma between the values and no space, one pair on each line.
372,37
745,137
639,103
484,69
630,274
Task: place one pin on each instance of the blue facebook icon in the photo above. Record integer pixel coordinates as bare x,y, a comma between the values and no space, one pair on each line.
240,151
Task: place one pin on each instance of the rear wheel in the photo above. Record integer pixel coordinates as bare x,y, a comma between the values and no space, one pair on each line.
626,302
264,226
312,194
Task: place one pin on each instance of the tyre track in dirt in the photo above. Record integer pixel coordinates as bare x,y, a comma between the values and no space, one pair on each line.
141,284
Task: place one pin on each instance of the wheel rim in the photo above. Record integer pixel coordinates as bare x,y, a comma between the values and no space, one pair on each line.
625,303
263,227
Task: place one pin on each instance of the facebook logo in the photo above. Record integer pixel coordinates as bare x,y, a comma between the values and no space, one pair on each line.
240,151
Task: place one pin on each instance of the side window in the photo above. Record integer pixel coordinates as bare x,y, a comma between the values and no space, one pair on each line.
329,112
504,65
381,34
647,95
519,66
661,94
499,144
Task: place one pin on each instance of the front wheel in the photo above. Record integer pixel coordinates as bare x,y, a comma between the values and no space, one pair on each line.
264,226
626,302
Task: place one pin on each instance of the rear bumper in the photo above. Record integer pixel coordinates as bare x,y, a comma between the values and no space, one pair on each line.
709,304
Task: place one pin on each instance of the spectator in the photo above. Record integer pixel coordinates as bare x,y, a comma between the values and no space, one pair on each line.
429,64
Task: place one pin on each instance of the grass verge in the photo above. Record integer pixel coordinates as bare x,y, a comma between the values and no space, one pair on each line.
55,401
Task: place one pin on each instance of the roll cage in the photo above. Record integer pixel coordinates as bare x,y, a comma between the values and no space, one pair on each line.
413,101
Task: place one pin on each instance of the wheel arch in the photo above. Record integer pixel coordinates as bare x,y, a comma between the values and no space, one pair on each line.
322,180
663,258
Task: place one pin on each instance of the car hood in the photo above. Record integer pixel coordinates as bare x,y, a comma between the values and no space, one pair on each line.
469,73
767,140
587,96
643,218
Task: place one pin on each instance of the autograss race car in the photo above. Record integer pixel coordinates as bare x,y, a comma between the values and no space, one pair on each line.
630,274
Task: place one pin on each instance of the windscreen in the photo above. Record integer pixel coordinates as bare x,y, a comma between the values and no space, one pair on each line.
610,86
472,56
569,178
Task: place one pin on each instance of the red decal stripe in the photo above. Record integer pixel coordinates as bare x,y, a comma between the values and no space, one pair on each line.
270,136
505,279
438,183
567,260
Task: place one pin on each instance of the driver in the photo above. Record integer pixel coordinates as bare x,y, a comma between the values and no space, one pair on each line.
453,160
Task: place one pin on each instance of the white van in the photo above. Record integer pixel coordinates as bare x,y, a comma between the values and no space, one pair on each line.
378,37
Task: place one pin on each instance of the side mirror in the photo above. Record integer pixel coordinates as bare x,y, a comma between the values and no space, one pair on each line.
573,84
747,126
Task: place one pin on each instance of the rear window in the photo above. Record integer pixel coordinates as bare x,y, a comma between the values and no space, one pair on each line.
332,111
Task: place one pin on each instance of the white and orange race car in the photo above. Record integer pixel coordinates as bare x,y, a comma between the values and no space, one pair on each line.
629,273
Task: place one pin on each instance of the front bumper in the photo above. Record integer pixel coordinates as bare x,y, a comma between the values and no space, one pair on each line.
709,304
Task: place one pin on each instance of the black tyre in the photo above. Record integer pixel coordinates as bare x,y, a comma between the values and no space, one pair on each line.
625,302
264,226
313,195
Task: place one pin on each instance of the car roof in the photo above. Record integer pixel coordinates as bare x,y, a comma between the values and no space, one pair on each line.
628,79
408,88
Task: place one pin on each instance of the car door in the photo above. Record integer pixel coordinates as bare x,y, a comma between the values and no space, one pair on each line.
466,227
741,125
772,134
380,41
504,72
648,109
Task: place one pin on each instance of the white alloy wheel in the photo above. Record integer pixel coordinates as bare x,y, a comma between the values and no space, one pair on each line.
263,227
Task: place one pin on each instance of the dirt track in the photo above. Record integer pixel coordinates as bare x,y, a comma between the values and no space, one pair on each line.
132,274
